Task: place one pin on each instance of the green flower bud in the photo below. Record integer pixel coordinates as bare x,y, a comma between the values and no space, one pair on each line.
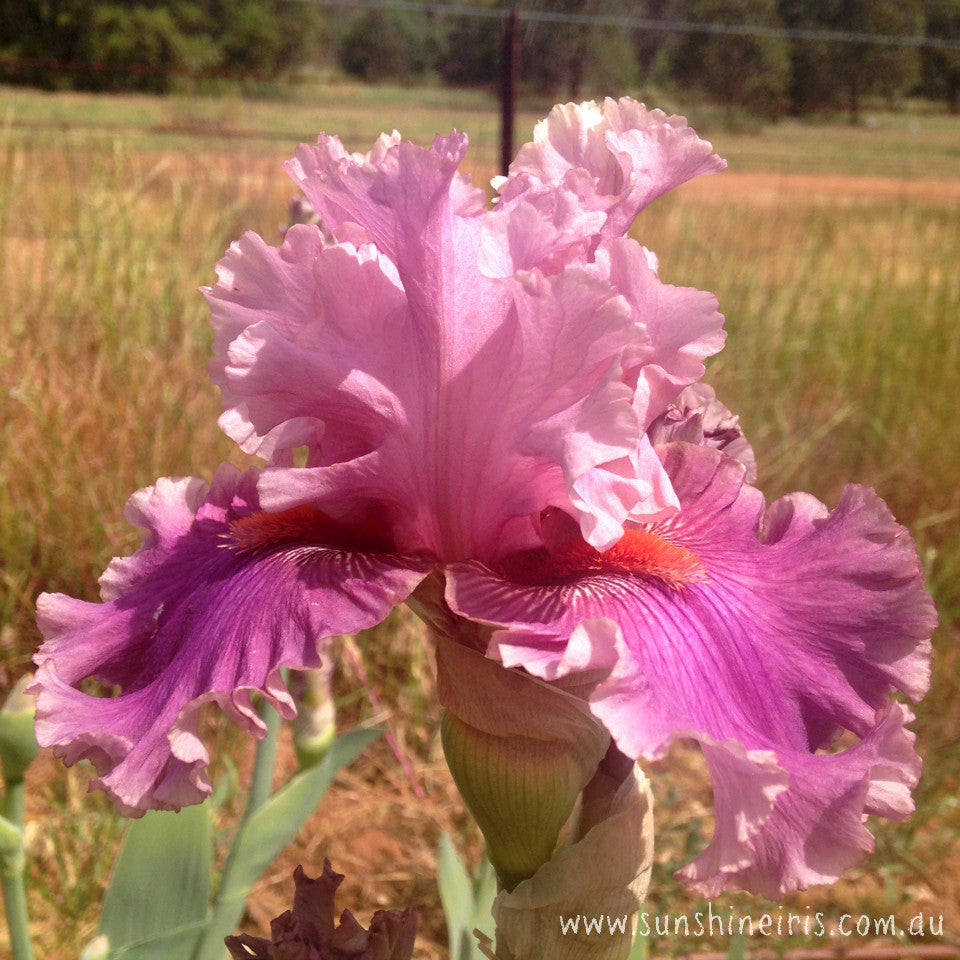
520,791
520,752
18,745
604,874
315,726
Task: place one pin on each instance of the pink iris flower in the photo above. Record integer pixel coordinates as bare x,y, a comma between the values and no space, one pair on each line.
498,407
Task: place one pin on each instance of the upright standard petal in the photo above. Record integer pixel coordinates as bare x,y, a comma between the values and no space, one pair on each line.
382,352
219,598
678,327
461,404
698,417
763,637
617,157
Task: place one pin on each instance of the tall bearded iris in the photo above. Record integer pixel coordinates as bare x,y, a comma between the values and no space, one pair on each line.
500,420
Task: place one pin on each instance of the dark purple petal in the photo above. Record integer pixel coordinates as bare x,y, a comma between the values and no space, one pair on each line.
219,598
308,932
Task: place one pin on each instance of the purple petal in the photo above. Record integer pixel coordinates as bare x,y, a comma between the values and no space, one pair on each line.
698,417
218,598
817,830
775,633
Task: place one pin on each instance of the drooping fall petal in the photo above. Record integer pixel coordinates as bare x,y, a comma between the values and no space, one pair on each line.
761,636
219,598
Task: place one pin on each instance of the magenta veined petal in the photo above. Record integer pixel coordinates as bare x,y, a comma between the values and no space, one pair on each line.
219,598
761,635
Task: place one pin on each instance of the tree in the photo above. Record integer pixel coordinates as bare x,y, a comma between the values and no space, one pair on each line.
44,37
469,53
140,48
751,71
382,44
840,73
571,59
940,67
145,44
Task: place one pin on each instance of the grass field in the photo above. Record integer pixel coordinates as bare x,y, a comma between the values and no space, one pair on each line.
834,252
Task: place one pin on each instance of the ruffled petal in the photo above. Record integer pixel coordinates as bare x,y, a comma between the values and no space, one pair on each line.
399,196
773,632
544,229
678,327
468,454
290,334
698,417
461,415
219,598
817,830
617,157
434,368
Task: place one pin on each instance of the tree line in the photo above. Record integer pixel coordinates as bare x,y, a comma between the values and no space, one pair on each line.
154,45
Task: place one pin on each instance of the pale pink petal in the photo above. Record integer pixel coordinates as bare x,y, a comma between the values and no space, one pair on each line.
290,328
399,195
618,157
428,371
679,327
545,229
507,426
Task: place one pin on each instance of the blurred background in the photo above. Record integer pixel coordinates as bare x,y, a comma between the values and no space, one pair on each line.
137,140
771,57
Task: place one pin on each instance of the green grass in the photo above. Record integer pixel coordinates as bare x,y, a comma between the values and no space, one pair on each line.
883,144
843,361
356,112
898,144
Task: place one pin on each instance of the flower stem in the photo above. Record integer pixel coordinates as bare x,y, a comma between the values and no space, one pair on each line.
228,906
264,761
12,867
